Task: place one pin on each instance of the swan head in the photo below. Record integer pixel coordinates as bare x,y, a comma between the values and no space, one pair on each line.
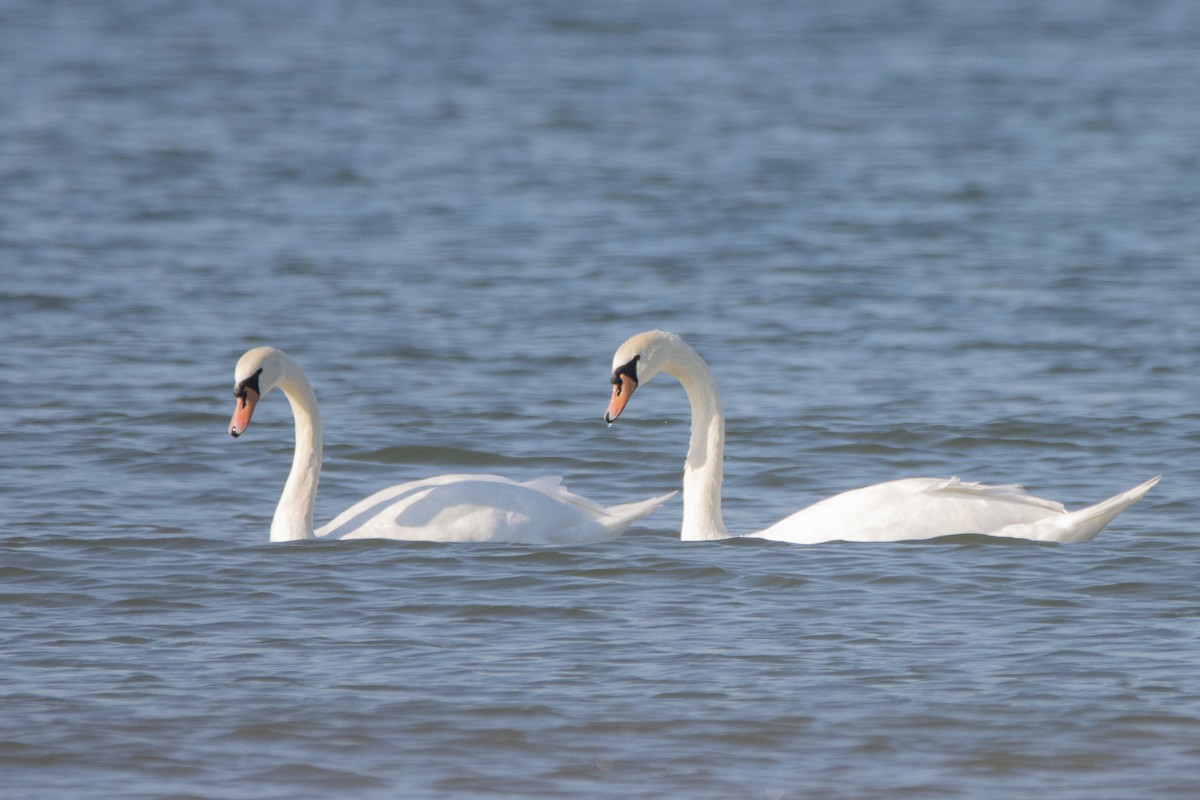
639,359
258,371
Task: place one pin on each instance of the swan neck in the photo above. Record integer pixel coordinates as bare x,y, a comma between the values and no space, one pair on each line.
294,515
702,471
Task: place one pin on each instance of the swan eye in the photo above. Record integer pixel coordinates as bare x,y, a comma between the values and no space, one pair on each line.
629,370
249,383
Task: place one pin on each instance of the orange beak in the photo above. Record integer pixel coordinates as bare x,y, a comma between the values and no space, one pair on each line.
622,391
242,410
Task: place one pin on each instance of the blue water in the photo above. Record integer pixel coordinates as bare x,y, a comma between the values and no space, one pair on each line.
927,238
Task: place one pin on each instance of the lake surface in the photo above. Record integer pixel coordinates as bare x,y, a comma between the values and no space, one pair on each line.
925,238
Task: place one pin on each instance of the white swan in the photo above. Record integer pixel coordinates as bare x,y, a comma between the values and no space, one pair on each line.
446,508
911,508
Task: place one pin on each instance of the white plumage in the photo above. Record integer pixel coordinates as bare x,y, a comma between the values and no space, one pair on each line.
906,509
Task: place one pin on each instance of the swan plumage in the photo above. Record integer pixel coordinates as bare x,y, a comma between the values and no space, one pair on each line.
899,510
445,508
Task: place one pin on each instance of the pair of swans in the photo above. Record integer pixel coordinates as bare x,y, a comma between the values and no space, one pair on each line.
479,508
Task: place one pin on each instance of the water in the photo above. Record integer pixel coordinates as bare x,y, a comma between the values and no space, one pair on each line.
910,239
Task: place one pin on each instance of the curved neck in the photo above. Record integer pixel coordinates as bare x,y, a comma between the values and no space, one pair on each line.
703,470
294,515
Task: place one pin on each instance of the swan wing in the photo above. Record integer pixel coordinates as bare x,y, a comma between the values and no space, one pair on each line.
481,508
925,508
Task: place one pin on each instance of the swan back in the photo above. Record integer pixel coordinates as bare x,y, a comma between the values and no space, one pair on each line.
484,508
926,508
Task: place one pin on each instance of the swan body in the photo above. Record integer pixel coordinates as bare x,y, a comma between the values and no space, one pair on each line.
900,510
446,508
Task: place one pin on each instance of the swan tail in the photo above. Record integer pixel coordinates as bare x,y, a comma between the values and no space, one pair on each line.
614,520
630,511
1084,524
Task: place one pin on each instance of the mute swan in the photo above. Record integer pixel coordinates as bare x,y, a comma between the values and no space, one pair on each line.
911,508
446,508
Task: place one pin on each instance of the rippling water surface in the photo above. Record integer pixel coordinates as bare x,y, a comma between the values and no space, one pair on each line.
911,239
